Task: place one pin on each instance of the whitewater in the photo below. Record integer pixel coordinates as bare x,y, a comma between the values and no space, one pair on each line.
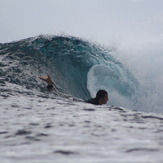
42,126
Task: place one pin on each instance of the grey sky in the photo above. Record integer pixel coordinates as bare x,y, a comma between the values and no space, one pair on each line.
99,20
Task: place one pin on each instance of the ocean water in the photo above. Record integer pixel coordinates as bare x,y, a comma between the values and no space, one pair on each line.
41,126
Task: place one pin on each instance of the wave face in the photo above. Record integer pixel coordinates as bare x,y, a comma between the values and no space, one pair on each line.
78,67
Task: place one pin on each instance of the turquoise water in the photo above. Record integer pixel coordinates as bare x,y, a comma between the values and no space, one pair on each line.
68,60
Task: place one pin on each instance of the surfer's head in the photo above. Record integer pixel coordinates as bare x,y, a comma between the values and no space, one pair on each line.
102,97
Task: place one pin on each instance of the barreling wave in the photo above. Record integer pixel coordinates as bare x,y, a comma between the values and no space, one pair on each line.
78,67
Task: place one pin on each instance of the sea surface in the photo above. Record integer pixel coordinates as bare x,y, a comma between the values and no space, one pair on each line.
41,126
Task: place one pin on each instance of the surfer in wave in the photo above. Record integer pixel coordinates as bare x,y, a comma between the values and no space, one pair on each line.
100,99
51,85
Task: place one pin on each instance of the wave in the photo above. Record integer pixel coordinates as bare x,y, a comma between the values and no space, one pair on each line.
77,66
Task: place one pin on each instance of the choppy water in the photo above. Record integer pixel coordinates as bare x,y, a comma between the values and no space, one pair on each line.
37,126
39,129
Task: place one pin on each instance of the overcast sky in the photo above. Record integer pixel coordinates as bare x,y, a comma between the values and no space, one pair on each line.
98,20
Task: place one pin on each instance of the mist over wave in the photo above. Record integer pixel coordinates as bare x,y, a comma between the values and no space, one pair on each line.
145,58
79,68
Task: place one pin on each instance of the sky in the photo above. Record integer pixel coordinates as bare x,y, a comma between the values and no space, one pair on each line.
103,21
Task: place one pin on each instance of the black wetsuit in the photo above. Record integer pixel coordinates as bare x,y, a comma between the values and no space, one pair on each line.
93,101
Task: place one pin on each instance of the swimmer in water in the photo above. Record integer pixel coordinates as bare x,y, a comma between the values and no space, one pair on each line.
100,99
49,81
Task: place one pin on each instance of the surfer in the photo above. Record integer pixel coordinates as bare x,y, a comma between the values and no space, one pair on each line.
101,96
100,99
49,81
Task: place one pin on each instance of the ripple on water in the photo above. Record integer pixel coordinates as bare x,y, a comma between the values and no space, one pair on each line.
142,149
32,138
89,109
64,152
23,132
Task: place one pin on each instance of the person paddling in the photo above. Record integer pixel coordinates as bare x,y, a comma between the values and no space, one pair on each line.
49,81
100,99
